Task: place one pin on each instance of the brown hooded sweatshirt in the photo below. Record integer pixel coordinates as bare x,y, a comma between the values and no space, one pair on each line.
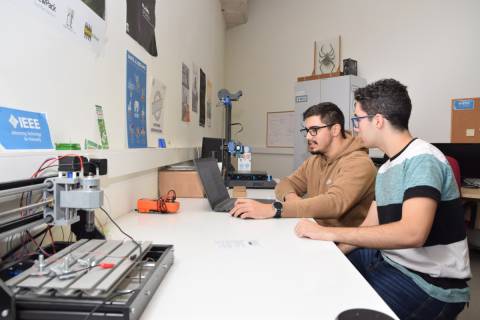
337,191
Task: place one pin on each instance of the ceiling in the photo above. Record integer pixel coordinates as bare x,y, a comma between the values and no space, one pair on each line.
235,12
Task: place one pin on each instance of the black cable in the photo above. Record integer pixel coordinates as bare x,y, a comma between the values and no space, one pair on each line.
112,296
237,124
120,229
138,259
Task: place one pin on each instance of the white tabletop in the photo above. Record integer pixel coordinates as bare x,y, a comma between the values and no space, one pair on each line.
229,268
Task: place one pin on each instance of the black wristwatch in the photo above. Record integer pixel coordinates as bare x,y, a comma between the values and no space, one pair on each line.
278,206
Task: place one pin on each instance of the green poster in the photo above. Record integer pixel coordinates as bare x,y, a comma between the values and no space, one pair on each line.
101,127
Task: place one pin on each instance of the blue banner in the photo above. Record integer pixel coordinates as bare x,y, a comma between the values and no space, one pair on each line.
136,102
24,130
468,104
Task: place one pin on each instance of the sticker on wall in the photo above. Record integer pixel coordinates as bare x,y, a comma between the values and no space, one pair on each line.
21,130
101,127
83,20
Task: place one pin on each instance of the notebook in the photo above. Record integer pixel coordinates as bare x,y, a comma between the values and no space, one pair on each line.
216,191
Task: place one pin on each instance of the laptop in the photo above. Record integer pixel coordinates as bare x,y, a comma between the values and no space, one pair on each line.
216,191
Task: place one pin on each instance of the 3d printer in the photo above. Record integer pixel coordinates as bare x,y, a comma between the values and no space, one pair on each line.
90,278
257,179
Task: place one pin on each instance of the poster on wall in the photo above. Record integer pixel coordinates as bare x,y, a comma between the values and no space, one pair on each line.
209,103
83,20
98,6
136,105
158,90
201,119
21,129
185,93
141,24
194,88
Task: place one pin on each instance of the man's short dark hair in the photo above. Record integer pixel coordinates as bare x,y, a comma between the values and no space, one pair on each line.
389,98
329,113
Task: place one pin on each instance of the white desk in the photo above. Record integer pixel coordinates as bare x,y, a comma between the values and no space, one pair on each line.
228,268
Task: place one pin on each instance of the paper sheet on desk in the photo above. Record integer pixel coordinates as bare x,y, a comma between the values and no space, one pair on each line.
236,244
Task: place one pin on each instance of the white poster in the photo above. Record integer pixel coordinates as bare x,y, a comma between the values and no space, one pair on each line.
157,102
209,103
74,17
195,88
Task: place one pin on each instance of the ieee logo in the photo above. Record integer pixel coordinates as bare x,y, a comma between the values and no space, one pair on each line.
13,121
24,122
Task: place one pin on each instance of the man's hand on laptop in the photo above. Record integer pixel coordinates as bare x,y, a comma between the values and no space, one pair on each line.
248,208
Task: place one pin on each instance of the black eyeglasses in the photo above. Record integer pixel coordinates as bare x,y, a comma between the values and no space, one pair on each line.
313,130
356,120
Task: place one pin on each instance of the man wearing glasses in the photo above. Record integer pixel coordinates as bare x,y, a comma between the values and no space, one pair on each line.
412,247
335,185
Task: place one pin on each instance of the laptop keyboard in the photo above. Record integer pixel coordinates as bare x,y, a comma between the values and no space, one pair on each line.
225,206
472,182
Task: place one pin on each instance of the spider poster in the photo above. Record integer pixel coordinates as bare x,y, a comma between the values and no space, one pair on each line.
327,56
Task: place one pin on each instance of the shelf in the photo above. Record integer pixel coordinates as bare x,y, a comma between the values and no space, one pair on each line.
22,164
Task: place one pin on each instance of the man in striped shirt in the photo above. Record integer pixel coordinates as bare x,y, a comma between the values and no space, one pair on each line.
412,247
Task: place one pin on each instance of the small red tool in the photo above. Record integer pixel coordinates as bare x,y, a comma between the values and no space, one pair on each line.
165,204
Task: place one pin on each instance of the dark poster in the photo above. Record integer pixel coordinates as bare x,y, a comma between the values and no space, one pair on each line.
203,84
98,6
141,23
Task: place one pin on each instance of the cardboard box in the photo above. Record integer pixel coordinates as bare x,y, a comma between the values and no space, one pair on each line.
186,184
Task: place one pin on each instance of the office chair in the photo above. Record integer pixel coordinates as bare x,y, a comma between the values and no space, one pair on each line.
467,204
456,171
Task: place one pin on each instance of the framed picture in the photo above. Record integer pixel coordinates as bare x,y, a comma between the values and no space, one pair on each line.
327,56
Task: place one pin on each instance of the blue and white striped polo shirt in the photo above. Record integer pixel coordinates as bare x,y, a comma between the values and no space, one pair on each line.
442,264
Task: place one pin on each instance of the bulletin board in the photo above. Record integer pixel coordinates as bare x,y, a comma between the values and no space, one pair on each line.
280,129
465,120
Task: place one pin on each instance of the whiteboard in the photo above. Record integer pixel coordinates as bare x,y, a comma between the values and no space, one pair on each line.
280,129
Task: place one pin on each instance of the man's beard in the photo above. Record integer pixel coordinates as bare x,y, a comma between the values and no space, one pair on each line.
317,152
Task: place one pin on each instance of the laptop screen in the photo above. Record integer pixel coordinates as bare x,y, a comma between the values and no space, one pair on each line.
212,180
212,148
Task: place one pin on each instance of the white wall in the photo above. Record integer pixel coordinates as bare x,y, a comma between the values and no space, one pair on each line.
44,69
429,45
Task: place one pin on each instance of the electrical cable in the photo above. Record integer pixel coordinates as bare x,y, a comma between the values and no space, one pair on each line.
139,257
53,241
237,124
120,229
12,252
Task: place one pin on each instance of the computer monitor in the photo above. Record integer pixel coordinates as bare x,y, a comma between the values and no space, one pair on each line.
467,155
212,148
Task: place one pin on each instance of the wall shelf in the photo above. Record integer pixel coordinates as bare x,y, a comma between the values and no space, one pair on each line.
21,164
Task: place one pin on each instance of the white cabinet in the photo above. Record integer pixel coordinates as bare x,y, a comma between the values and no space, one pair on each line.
338,90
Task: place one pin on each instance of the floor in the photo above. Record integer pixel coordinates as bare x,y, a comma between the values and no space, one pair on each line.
473,311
